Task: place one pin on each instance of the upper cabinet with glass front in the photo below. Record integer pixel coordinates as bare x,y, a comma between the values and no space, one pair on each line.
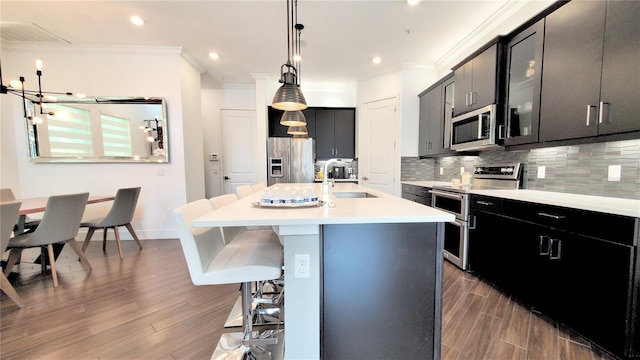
524,61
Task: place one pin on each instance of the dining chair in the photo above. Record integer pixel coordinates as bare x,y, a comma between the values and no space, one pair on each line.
257,187
252,256
243,191
8,218
30,224
59,225
121,214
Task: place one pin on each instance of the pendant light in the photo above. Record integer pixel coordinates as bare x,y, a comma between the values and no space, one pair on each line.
293,118
297,130
289,97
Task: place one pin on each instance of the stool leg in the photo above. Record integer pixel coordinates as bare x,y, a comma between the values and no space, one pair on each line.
247,314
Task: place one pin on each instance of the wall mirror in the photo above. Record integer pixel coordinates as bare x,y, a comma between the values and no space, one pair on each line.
97,129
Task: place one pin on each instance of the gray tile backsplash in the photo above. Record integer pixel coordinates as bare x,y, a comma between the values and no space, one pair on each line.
581,169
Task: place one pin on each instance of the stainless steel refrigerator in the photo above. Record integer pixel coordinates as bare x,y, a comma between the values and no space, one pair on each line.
290,161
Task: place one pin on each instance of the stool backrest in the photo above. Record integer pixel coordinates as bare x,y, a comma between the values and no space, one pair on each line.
228,232
257,187
200,245
243,191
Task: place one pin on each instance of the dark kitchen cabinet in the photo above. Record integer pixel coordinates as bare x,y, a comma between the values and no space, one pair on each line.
335,133
524,70
590,81
436,111
419,194
565,263
476,81
277,130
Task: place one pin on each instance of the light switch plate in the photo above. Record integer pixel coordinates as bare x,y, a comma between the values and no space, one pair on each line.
615,172
541,172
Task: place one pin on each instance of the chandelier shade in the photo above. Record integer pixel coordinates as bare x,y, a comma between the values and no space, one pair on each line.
293,118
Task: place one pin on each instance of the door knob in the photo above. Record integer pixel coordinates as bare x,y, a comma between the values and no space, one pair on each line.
227,178
365,178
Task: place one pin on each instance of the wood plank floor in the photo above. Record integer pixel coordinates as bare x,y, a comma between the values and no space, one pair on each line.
145,307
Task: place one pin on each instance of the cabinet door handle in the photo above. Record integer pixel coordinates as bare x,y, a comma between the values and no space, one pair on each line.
603,116
556,249
336,151
466,100
473,96
556,217
502,132
589,111
472,222
545,245
485,203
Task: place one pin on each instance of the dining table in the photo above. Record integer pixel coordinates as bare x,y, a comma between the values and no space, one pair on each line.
38,204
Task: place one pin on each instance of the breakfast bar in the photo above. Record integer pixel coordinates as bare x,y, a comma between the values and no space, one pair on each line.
363,271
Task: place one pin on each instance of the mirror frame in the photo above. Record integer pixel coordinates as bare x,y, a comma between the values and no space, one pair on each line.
32,104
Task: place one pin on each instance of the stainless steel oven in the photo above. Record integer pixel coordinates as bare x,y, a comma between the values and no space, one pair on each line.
455,232
456,200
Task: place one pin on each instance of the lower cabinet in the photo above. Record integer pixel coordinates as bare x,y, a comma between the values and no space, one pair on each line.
587,283
381,291
419,194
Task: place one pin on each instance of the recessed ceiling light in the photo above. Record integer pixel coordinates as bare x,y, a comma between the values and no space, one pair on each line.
214,55
412,2
136,20
376,60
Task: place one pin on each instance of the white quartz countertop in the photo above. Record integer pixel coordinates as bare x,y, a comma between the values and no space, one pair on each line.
603,204
384,208
609,205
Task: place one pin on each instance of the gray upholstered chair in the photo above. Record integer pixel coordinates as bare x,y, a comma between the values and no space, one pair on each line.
243,191
8,218
121,214
59,225
30,224
251,256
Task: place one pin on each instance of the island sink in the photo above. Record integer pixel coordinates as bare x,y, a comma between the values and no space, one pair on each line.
354,194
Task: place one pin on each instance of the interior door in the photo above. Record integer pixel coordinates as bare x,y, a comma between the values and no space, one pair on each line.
378,156
238,149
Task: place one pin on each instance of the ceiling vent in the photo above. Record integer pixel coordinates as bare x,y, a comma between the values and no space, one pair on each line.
27,32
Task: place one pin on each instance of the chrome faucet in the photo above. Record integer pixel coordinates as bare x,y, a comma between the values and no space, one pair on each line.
325,181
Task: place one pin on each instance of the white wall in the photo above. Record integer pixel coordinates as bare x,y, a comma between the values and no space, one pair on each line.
405,84
103,71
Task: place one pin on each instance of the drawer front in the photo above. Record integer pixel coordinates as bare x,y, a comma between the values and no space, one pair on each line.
615,228
423,191
487,204
411,189
411,197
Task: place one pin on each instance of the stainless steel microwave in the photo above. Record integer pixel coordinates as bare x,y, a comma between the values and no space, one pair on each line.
474,130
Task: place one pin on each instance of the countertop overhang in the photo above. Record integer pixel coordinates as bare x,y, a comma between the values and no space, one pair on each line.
384,208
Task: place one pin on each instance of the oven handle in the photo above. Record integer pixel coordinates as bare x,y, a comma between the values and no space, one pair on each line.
447,194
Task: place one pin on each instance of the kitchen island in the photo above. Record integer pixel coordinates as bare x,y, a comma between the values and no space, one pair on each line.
372,286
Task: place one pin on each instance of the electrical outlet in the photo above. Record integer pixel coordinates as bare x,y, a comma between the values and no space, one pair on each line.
461,170
541,172
615,172
302,267
441,171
